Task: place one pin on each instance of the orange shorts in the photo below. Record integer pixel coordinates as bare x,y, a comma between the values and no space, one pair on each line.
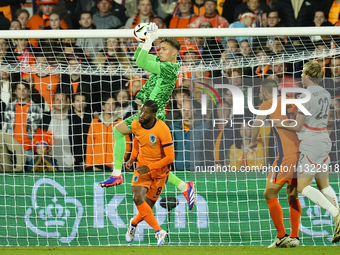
153,180
284,170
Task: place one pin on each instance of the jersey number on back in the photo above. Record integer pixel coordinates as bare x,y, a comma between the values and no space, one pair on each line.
323,114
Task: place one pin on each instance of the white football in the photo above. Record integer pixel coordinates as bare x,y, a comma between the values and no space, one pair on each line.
140,32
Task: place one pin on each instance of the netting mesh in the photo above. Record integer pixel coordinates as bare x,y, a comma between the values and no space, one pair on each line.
81,88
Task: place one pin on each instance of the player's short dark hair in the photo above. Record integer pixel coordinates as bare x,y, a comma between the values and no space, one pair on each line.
152,104
173,42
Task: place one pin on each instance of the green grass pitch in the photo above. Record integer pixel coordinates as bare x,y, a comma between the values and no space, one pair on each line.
167,250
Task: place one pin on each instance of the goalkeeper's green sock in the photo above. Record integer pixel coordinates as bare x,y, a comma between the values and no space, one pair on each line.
118,152
174,180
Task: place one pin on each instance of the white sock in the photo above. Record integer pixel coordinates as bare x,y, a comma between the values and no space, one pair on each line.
331,196
116,172
317,197
183,186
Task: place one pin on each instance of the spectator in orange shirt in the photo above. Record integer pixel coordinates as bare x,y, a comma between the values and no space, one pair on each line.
210,15
23,16
22,117
44,82
41,20
185,17
100,139
199,7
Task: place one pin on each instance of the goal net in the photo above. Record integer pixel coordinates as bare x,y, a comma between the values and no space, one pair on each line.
79,87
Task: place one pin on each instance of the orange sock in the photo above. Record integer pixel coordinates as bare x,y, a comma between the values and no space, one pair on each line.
277,216
137,219
295,215
147,215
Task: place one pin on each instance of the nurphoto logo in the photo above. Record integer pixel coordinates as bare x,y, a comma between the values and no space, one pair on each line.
238,104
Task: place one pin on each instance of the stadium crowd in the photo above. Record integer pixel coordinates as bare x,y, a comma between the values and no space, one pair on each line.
81,109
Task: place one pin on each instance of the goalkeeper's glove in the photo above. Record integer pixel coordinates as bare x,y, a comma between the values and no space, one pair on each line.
152,28
151,36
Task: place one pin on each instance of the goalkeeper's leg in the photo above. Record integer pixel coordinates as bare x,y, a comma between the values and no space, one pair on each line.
187,188
119,132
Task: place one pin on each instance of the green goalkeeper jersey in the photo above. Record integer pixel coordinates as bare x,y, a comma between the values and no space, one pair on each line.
161,82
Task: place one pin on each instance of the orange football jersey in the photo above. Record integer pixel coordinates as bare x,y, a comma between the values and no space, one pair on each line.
287,141
152,141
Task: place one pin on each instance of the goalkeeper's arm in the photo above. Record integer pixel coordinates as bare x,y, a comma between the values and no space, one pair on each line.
145,60
139,49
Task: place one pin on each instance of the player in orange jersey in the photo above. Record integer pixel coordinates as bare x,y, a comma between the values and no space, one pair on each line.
156,153
283,169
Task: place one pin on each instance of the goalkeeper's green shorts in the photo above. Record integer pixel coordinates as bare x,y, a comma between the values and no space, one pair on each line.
129,120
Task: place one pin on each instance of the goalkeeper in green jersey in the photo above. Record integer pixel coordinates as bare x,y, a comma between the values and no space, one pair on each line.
164,71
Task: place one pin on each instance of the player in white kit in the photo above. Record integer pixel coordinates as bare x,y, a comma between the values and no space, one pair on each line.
315,145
